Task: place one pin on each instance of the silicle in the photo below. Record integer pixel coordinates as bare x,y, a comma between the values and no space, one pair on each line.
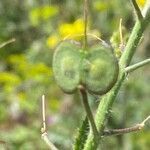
95,68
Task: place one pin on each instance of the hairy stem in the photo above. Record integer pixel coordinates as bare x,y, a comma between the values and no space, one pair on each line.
82,135
108,100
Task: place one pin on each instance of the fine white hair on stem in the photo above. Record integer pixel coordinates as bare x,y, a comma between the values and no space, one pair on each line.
88,34
44,134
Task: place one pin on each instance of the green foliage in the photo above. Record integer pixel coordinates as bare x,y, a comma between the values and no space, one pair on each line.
26,72
81,137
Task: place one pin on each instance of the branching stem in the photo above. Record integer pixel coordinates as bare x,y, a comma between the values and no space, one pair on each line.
135,128
108,100
137,65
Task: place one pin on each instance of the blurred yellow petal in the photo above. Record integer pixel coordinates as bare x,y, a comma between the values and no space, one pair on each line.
9,78
141,3
16,59
65,29
79,26
52,41
34,16
39,14
39,69
72,29
48,11
19,62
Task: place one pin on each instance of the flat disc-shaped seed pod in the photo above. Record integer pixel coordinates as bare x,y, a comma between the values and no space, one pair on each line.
66,62
101,70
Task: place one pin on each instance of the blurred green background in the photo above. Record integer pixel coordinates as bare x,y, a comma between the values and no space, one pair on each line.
26,73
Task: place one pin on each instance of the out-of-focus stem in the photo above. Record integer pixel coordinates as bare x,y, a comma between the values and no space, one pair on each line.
135,128
85,22
137,65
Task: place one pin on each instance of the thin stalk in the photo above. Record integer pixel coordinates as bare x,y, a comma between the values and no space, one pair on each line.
137,10
89,113
137,65
122,45
120,32
135,128
44,134
7,42
85,22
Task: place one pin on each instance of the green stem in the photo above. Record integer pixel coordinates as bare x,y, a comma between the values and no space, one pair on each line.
137,65
115,132
89,114
85,22
108,100
134,128
137,10
102,112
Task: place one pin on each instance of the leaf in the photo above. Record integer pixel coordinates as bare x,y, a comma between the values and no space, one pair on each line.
81,135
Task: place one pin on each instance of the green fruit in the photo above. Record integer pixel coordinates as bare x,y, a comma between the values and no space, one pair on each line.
102,71
66,62
96,69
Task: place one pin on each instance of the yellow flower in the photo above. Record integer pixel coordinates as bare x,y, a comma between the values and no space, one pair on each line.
52,41
9,78
39,69
71,29
65,29
16,59
48,11
19,62
39,14
78,26
141,3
